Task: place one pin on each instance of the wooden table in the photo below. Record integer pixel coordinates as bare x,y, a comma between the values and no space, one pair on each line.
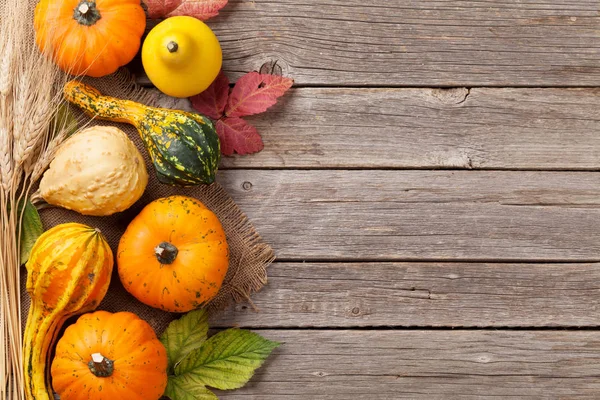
431,189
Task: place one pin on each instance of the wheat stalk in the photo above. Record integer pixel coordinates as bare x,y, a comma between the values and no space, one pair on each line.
6,127
33,132
6,161
29,100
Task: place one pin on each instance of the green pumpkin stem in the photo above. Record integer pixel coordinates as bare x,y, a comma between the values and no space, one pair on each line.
166,253
101,366
86,13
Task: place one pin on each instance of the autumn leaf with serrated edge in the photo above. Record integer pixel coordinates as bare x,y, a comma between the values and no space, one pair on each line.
239,135
252,94
225,361
201,9
184,335
184,388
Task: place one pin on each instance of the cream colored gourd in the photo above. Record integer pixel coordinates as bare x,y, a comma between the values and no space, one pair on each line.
97,171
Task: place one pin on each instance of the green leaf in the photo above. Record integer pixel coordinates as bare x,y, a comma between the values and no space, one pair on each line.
227,360
184,335
31,229
64,120
187,388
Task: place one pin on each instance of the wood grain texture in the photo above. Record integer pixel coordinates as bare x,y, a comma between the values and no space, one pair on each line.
432,365
430,128
416,43
422,294
368,241
422,215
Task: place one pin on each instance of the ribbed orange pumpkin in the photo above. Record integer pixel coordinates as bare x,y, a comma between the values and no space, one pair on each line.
68,273
90,37
174,254
106,356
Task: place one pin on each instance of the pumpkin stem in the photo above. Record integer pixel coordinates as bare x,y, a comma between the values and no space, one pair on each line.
166,253
86,13
101,366
172,47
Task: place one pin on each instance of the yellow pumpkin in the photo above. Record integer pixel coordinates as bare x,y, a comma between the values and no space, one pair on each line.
97,171
68,273
106,356
173,255
181,56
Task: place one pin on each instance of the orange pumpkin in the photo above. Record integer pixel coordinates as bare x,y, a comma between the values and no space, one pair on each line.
173,255
106,356
90,37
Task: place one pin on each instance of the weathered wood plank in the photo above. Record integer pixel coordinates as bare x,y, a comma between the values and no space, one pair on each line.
416,43
422,215
423,294
430,128
390,365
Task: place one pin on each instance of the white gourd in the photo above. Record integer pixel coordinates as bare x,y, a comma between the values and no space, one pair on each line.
97,171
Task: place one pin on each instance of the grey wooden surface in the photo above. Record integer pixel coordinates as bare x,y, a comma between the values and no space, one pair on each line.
401,295
431,187
422,215
477,128
416,43
428,364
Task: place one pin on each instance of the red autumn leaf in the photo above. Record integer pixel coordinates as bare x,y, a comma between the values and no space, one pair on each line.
254,93
236,135
213,100
201,9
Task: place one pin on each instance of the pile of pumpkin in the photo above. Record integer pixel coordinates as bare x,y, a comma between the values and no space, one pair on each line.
173,255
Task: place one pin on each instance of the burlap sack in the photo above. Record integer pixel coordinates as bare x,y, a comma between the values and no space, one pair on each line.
249,255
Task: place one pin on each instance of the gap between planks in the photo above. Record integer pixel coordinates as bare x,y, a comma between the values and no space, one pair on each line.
421,294
424,43
389,129
422,215
403,129
596,328
427,364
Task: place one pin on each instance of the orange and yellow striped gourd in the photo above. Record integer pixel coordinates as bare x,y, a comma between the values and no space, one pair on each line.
68,273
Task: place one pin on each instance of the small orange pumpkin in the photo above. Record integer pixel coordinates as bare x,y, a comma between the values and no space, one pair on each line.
173,255
90,37
106,356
